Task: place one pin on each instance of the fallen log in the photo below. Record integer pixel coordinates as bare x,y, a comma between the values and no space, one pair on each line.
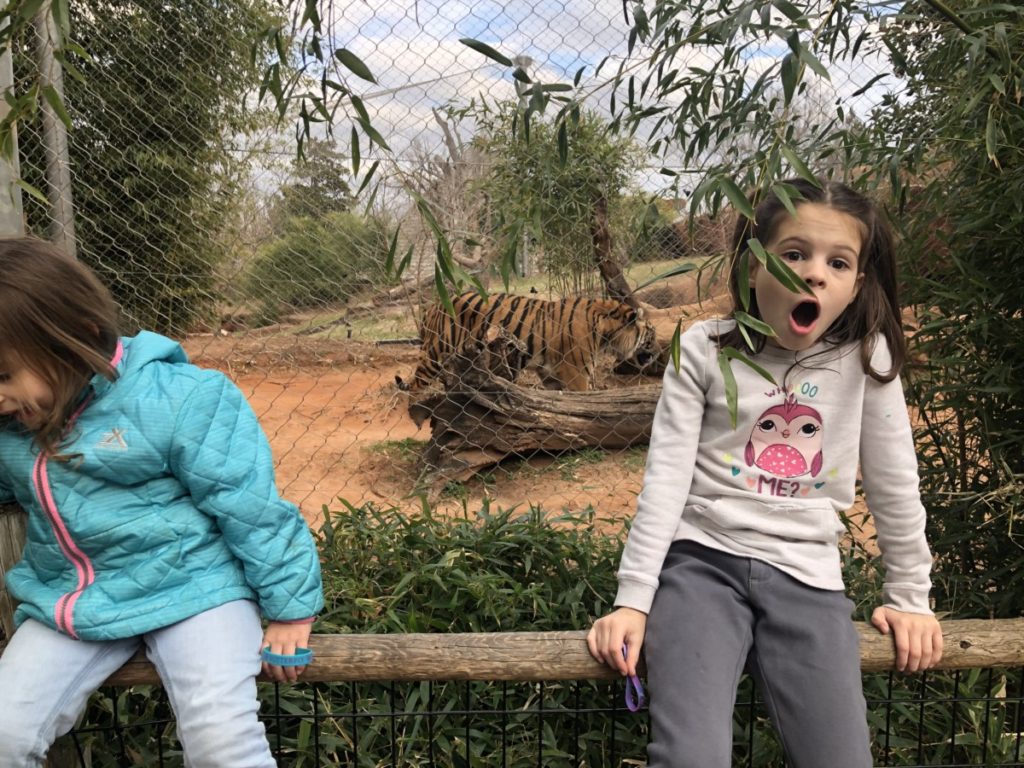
483,417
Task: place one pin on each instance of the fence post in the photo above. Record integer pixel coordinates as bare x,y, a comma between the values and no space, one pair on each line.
12,540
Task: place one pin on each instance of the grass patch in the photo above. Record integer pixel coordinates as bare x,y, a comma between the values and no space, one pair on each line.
407,449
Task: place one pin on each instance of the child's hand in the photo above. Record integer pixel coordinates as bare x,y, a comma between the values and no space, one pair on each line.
918,637
609,633
284,639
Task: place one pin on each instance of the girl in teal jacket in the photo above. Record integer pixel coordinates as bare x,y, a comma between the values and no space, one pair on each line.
154,522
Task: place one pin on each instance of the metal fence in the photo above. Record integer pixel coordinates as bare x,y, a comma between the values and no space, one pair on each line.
182,188
952,719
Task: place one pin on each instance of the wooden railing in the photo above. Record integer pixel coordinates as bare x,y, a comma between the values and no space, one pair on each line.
524,656
539,656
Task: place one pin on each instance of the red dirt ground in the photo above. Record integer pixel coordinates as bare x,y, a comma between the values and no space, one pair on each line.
336,423
334,418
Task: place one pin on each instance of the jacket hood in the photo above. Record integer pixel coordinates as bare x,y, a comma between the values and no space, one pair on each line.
136,352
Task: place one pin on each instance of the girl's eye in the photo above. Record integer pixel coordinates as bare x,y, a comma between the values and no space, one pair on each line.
792,255
4,376
840,264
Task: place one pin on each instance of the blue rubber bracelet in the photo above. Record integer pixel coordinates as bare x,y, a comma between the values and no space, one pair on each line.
300,658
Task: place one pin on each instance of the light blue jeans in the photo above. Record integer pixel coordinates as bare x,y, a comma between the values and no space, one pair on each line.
208,665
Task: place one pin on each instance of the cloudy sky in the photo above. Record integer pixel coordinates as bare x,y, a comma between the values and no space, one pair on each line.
413,49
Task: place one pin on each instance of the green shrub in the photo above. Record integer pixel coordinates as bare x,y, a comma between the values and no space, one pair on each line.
387,571
319,261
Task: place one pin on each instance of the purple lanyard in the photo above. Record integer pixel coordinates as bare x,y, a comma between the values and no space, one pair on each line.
635,696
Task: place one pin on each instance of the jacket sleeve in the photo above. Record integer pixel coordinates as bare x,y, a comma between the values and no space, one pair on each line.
222,457
671,457
891,488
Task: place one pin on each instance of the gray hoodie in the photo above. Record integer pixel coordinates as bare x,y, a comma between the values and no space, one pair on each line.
773,487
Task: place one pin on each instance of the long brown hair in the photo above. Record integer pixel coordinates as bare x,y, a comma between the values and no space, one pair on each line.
58,320
875,309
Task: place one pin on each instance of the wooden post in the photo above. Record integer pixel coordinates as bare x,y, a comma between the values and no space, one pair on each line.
12,540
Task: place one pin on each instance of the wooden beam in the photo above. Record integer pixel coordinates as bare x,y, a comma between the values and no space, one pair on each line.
536,656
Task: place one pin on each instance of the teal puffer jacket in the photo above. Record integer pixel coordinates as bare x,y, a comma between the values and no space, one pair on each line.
168,509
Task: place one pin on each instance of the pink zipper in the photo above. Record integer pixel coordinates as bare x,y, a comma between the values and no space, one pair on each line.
64,609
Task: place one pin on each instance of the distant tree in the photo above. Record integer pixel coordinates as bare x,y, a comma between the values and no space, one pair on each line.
321,183
156,115
543,186
960,139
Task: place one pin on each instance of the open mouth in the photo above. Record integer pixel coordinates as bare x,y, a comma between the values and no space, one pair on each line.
644,358
804,316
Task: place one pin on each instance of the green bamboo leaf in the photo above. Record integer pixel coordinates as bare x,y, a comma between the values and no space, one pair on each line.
442,292
405,262
867,86
735,354
991,139
389,261
791,12
799,167
758,250
28,9
32,191
372,134
563,145
677,336
782,191
435,227
520,74
679,269
369,175
743,277
357,102
789,71
62,15
752,322
444,261
311,13
778,268
486,50
997,83
729,378
57,105
811,61
736,197
73,47
355,151
354,64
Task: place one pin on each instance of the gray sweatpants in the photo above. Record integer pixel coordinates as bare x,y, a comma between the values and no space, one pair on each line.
716,615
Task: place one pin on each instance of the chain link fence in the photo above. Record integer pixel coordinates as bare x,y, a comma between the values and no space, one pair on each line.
308,279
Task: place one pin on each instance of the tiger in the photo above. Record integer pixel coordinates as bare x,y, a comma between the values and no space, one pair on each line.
562,337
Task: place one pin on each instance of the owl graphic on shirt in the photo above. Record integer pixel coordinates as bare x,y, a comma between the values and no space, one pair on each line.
786,440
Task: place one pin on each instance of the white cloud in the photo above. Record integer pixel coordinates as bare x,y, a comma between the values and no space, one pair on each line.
413,49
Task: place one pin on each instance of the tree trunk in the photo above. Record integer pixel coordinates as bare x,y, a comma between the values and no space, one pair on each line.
610,269
482,417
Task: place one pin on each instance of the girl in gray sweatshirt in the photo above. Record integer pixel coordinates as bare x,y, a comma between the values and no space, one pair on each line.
732,562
